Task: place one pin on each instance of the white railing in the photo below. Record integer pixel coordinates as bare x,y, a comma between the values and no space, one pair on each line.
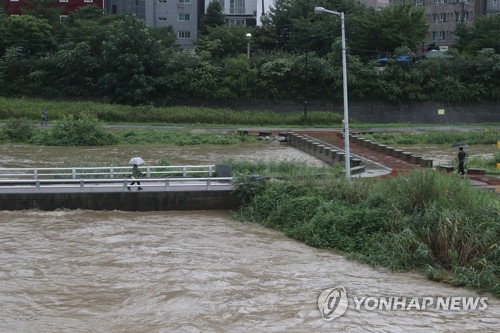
106,172
103,184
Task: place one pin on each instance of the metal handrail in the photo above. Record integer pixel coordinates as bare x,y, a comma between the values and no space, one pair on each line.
167,183
110,172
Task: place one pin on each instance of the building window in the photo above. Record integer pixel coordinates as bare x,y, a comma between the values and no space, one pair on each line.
434,35
240,22
495,3
88,0
236,6
184,1
162,1
442,17
442,35
184,34
184,17
63,0
162,18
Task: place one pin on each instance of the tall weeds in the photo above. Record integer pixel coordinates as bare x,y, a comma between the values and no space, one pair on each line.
421,220
113,113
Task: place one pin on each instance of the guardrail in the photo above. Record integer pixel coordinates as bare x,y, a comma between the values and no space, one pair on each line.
87,185
106,172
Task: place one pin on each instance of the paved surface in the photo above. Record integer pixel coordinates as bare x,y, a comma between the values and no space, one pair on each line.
390,162
395,164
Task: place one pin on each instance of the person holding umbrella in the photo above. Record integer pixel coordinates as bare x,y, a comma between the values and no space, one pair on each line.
136,173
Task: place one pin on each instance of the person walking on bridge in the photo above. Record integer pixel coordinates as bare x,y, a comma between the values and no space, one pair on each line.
136,173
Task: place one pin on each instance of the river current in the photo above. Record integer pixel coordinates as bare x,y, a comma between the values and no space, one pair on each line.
90,271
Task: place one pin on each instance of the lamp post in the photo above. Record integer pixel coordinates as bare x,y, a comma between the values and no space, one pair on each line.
319,10
248,36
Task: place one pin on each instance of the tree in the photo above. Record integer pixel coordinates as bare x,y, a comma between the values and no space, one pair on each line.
214,16
84,25
132,62
390,28
484,33
31,34
295,23
166,35
223,41
43,9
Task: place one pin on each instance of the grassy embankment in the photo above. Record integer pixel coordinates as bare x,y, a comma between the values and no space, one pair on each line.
114,114
423,221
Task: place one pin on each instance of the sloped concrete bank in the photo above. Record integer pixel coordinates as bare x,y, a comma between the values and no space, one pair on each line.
126,201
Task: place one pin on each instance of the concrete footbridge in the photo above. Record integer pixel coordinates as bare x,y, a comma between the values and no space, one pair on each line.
109,188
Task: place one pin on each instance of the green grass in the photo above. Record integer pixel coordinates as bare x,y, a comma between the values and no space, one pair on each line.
486,136
425,221
113,113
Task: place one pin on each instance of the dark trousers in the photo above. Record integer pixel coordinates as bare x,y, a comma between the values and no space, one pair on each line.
461,169
136,182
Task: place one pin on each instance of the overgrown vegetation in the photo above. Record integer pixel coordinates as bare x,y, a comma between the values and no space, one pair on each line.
86,131
12,108
420,221
490,164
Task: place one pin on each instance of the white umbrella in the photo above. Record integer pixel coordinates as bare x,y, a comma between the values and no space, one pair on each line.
136,160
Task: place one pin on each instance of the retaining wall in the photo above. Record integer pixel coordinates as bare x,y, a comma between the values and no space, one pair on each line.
126,201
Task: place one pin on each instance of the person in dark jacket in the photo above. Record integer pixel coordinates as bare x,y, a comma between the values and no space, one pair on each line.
461,160
136,173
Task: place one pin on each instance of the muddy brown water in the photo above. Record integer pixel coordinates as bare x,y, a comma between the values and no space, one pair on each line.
18,156
196,271
88,271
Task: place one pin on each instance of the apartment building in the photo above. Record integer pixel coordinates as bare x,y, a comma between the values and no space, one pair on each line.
241,12
14,7
492,7
443,16
136,7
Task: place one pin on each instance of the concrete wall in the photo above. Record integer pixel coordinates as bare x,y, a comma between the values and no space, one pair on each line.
378,112
126,201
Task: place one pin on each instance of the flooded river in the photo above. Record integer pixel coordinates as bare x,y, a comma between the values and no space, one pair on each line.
87,271
91,271
20,156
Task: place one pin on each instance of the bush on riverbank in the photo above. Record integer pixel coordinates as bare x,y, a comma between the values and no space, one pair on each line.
86,131
423,220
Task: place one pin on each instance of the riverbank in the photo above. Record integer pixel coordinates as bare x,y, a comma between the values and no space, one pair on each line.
424,221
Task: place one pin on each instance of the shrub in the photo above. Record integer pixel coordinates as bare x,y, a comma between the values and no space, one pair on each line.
82,131
18,130
421,220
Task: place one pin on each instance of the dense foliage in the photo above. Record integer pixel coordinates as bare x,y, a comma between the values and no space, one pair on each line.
424,220
295,54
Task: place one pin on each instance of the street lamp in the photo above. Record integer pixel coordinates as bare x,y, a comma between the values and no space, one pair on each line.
320,10
248,36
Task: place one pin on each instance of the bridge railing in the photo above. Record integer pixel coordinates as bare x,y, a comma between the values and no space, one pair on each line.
84,185
107,172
